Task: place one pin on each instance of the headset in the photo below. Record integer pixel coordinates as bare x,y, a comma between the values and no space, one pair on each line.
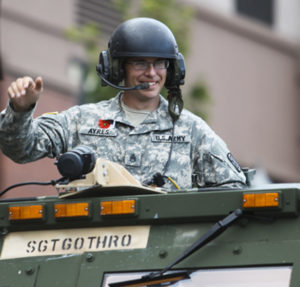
140,37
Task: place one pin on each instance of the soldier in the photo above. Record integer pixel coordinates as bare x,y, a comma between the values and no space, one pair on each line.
156,140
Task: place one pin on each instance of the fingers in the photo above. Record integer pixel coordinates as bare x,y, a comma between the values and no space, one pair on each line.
12,91
18,88
27,83
39,84
24,92
24,85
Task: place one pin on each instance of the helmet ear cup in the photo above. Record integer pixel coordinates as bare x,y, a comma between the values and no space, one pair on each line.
103,68
111,69
117,70
176,72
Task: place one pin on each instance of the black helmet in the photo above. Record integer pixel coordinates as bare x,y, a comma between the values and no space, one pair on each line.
141,37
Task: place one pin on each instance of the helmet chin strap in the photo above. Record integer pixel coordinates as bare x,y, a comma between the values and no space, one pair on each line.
175,102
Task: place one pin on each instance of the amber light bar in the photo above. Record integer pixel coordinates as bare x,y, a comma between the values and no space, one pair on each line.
118,207
65,210
26,212
258,200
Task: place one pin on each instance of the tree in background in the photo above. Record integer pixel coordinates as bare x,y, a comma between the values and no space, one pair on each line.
88,36
176,16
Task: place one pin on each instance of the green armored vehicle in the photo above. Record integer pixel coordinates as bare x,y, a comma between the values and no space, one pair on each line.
105,230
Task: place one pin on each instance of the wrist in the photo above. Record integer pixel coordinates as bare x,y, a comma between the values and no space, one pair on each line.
21,109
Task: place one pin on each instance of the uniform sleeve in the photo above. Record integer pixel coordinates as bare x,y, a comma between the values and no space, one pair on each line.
214,164
24,139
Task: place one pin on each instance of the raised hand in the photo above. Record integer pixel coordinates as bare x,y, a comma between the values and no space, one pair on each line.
24,93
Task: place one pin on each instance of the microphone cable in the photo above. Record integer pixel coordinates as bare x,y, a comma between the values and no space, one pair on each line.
51,182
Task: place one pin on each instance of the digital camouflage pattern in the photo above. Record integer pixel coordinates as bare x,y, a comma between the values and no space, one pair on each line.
144,150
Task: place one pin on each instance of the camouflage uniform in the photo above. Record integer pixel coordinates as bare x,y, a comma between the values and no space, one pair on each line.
143,150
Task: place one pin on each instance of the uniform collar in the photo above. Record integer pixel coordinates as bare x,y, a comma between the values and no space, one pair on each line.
158,119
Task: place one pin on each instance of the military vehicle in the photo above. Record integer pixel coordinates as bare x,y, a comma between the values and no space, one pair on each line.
104,229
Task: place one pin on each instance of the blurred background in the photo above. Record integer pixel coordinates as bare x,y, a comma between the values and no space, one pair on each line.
242,59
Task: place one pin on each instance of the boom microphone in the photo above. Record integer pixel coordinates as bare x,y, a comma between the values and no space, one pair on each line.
143,86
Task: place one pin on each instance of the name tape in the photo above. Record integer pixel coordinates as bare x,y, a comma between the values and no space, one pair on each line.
99,132
169,138
73,241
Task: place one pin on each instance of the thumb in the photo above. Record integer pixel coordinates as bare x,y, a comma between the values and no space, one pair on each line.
39,84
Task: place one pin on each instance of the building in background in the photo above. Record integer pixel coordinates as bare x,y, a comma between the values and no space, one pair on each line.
247,57
250,61
282,17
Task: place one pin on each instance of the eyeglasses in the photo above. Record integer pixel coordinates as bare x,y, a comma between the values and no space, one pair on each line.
142,65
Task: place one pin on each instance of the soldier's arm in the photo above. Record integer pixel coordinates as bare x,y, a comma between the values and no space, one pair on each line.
214,164
22,138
